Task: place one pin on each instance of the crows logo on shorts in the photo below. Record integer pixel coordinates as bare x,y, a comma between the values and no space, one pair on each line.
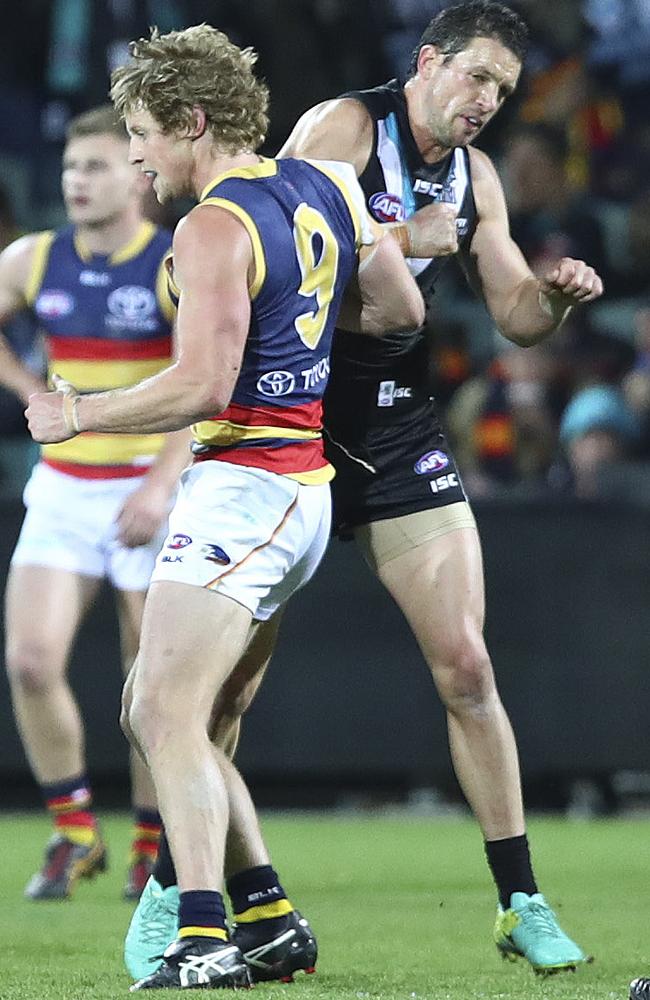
214,553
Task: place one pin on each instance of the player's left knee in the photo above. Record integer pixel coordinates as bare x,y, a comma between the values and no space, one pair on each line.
469,679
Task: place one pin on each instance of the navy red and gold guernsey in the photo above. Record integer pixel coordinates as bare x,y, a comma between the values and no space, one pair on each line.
108,324
306,221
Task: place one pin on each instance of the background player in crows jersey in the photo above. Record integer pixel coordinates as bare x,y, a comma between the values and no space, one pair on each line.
261,266
397,488
96,506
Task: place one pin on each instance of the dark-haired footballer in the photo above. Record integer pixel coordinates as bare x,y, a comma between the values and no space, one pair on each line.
397,489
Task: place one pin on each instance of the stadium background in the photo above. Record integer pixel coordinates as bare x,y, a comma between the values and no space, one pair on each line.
559,475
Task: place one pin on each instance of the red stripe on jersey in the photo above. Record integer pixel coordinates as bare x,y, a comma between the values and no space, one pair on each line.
97,471
303,416
100,349
289,459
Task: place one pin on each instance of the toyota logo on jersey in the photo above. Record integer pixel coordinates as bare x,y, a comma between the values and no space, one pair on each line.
387,207
276,383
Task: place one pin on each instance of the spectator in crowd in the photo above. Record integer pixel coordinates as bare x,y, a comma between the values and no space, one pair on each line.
597,429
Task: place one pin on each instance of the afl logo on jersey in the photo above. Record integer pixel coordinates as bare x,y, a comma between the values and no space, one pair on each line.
433,461
132,306
387,207
276,383
53,303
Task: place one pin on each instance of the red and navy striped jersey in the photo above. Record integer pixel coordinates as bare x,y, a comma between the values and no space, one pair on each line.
305,228
108,324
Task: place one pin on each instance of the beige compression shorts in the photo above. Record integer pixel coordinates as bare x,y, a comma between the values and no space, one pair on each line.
381,541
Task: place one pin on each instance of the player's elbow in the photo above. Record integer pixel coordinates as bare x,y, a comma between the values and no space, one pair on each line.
407,312
208,394
415,309
519,337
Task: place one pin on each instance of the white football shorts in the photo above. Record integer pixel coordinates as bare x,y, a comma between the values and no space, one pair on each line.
251,535
70,524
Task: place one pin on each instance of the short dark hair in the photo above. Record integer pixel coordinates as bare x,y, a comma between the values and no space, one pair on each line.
454,27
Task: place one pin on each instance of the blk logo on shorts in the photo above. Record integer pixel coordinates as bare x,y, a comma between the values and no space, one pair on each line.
179,542
433,461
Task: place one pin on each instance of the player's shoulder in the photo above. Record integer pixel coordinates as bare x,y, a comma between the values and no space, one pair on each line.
488,192
340,128
481,165
208,224
19,257
484,173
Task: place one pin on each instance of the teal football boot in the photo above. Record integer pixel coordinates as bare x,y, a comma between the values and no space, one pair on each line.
153,927
529,929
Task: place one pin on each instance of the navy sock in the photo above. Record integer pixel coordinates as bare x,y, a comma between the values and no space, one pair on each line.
202,914
257,897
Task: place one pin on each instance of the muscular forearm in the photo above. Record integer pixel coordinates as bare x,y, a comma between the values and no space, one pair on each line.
168,401
16,376
532,314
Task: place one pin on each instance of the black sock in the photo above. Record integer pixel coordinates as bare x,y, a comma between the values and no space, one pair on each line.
164,871
509,860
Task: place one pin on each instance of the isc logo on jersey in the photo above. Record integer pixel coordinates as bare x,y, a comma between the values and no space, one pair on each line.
433,461
387,207
132,307
278,383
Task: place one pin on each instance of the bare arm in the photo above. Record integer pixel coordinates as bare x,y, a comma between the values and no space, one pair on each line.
212,260
343,130
384,295
334,130
15,268
525,309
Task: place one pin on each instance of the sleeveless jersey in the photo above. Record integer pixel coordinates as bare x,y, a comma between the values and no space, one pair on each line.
108,323
305,226
397,182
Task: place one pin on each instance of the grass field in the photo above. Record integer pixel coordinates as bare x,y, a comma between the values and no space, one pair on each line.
402,908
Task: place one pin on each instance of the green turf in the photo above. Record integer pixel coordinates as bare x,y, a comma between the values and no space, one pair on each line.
403,910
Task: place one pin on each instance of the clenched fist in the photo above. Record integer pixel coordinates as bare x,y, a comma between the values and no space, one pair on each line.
432,231
571,281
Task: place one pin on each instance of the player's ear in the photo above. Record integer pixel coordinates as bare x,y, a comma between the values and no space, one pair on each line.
198,123
430,57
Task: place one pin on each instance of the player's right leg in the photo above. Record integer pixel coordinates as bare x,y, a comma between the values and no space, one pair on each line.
44,608
305,536
275,944
55,569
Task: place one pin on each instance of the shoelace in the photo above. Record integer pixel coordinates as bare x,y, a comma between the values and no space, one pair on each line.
541,918
641,987
153,926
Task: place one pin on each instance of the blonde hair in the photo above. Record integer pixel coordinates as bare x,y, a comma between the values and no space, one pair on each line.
171,73
103,120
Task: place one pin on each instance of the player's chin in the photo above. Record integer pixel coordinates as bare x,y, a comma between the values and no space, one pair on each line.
162,191
81,215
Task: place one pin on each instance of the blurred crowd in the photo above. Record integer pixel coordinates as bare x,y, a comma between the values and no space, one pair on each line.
570,417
